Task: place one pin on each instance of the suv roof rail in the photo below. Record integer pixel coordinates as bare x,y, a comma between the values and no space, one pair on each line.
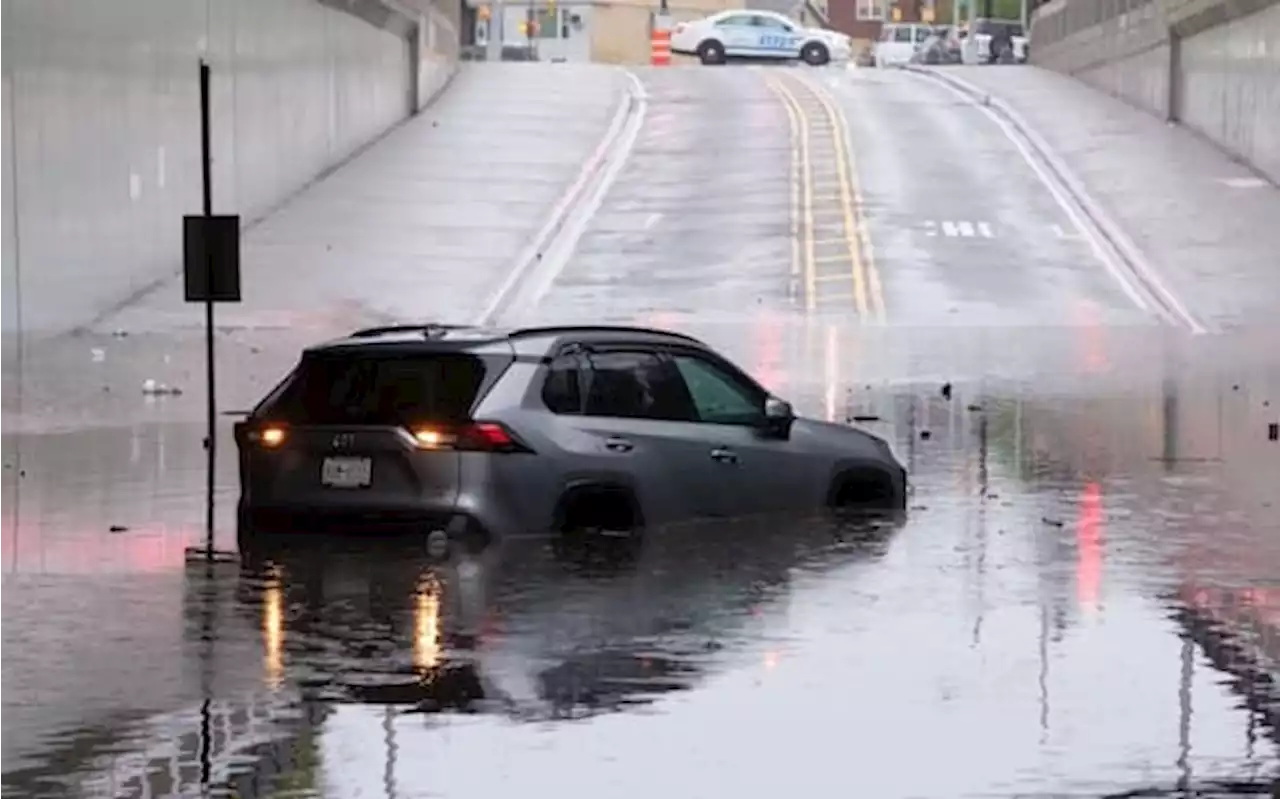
555,330
427,329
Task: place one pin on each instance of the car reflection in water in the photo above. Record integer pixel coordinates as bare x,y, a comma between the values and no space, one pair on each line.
533,629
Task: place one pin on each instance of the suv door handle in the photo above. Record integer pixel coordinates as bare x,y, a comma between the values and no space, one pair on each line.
618,445
722,455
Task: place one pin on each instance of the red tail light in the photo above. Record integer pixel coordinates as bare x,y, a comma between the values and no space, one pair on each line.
471,437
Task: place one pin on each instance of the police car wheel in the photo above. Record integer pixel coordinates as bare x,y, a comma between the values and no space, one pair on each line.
815,54
711,52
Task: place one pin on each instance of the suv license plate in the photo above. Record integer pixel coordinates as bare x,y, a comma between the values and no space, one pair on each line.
346,472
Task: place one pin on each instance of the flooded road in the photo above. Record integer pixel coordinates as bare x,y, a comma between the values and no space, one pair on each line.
1082,599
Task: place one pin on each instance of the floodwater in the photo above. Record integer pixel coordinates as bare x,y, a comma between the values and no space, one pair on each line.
1082,599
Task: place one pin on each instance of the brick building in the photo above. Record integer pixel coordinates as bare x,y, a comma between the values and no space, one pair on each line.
861,19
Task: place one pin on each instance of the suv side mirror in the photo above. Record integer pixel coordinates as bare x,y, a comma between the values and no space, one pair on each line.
778,418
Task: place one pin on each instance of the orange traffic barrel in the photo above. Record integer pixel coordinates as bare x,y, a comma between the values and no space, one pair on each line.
660,48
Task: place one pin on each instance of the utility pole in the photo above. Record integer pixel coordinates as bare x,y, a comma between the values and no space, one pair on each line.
497,22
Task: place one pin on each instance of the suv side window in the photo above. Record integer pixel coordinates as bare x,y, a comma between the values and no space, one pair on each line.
562,392
719,396
636,384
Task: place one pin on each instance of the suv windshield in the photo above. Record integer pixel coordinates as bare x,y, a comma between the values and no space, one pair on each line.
360,388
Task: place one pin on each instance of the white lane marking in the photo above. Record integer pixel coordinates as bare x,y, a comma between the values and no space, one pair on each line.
1245,183
651,221
1118,274
959,229
617,141
561,248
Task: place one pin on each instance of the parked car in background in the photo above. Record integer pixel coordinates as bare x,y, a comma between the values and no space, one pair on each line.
761,35
941,47
898,42
995,41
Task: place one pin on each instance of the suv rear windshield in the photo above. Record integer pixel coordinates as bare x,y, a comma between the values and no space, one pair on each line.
365,388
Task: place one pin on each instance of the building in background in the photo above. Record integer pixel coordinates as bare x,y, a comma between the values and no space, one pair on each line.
602,31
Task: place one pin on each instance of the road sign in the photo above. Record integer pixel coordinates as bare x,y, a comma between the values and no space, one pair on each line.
211,258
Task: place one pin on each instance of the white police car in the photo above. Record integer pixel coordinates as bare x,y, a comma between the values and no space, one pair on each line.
757,34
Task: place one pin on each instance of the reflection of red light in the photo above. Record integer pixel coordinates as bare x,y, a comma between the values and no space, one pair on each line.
1089,546
769,353
1095,347
155,548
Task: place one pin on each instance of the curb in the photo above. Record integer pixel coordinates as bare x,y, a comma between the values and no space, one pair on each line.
1130,256
562,210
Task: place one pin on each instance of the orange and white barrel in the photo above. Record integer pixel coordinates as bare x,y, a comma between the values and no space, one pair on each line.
660,48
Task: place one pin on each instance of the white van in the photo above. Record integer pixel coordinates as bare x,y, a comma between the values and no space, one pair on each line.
899,40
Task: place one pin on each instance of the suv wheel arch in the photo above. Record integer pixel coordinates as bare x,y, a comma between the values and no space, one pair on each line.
863,487
598,505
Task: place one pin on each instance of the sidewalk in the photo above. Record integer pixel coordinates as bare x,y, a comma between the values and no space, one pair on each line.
1207,223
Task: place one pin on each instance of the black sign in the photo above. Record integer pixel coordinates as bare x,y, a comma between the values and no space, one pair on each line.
211,258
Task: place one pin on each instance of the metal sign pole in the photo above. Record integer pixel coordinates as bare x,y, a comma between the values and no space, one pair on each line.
211,407
211,273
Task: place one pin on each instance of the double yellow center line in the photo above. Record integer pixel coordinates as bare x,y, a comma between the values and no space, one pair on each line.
828,258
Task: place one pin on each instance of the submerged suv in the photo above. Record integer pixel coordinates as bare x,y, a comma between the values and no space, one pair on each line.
471,435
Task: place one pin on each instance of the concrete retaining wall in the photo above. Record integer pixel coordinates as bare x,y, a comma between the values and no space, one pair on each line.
1213,65
101,127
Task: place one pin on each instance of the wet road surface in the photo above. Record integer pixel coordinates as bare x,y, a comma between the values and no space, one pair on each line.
1081,600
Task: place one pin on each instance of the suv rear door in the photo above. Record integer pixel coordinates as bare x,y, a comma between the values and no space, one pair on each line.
364,429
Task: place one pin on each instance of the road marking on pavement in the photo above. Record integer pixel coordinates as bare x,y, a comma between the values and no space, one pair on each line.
800,231
824,144
542,259
1245,183
651,221
958,229
1110,245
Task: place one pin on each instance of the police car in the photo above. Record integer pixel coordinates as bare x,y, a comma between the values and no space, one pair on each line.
757,35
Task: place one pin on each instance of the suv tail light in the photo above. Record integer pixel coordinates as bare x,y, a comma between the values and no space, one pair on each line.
267,435
469,437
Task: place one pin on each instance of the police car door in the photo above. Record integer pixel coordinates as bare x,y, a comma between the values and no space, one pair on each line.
738,35
776,37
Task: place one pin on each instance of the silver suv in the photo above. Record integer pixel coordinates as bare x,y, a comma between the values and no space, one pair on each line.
470,435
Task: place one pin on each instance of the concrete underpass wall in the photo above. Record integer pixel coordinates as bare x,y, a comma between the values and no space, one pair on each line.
1213,65
101,127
